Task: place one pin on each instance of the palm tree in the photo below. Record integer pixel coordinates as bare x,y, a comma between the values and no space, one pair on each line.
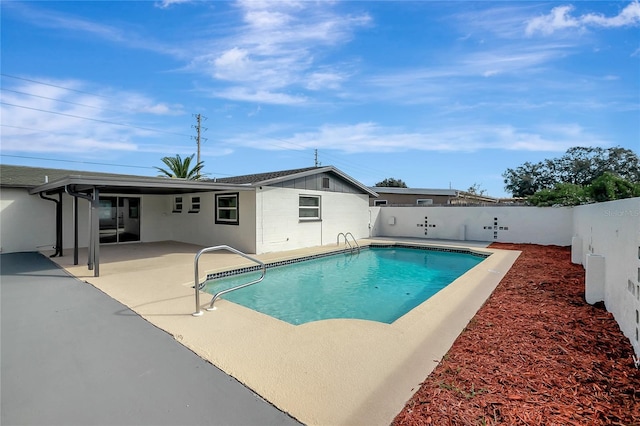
179,168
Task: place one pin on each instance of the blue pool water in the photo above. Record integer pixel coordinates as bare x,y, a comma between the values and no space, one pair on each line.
378,284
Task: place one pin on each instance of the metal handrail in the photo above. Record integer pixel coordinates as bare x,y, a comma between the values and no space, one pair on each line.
198,286
346,240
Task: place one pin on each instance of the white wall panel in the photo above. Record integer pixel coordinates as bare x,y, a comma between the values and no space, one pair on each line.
501,224
612,230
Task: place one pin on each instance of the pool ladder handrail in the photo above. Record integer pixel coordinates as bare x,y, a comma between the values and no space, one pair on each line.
199,286
346,241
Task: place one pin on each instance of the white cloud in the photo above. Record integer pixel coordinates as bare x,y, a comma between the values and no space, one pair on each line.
265,19
560,18
629,16
74,117
369,137
276,49
259,96
324,80
45,18
164,4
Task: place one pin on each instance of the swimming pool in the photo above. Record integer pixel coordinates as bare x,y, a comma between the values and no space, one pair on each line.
378,284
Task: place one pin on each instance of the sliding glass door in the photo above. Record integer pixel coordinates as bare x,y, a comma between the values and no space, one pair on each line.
119,219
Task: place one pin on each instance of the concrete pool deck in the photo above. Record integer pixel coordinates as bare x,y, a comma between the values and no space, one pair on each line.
332,372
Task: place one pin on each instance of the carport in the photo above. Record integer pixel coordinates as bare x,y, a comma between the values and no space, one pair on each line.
90,187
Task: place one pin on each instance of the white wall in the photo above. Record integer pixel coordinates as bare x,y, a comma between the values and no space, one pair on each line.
243,235
28,223
200,228
279,227
612,230
548,226
156,223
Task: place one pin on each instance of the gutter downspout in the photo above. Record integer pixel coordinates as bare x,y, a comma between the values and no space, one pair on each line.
93,262
58,247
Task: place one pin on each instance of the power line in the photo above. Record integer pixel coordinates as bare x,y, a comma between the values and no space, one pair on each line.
58,100
52,85
94,119
75,161
369,171
89,162
28,128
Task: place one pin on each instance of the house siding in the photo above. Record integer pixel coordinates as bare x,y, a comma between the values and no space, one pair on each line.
314,183
279,227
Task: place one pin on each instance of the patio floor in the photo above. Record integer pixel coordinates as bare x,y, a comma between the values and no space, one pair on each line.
72,355
339,372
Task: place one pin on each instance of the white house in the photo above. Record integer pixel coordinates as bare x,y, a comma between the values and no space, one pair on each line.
66,209
258,213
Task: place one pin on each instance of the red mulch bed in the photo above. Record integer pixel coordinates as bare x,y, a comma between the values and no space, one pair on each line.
535,354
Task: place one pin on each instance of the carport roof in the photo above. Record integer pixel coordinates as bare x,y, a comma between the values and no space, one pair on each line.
44,180
138,185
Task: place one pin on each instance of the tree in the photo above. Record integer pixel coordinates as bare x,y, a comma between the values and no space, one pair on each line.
179,168
609,187
563,194
579,166
527,179
392,182
475,189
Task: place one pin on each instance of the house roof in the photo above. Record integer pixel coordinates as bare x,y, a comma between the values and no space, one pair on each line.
30,177
270,178
259,178
46,180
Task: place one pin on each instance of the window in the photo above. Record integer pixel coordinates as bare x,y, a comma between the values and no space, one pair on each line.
325,183
227,209
177,205
195,205
424,201
309,207
379,202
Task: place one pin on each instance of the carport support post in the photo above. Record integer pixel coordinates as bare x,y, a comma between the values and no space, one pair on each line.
59,224
75,230
95,222
91,236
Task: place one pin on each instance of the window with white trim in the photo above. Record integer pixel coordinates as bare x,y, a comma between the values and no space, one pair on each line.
424,201
195,205
227,209
177,205
309,207
379,202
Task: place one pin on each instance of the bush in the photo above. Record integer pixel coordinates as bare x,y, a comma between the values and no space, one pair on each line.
563,194
610,187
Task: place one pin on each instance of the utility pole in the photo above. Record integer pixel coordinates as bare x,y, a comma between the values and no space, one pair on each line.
316,158
199,130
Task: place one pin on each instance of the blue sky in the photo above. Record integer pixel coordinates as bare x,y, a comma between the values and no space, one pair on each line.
438,94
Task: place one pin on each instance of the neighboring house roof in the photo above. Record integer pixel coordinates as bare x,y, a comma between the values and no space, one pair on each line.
271,178
414,191
381,190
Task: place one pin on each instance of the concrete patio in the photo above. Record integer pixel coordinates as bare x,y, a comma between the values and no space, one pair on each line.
72,355
326,372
